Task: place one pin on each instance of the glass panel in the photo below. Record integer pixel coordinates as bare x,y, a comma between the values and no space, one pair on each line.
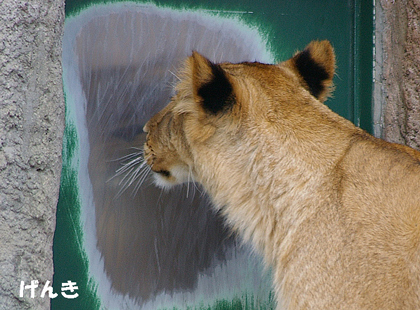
150,247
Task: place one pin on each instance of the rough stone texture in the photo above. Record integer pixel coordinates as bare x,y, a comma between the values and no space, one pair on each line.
31,129
401,70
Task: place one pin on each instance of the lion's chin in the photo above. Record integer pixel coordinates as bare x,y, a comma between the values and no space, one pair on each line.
176,176
163,181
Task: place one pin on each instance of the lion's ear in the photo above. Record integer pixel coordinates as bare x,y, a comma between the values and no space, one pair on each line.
316,65
211,86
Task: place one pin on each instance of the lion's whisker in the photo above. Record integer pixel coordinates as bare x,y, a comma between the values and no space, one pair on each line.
130,155
176,76
134,170
141,179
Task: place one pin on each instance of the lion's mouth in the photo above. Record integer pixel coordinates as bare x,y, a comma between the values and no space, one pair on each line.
164,173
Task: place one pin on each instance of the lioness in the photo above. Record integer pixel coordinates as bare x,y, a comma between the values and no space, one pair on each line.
334,211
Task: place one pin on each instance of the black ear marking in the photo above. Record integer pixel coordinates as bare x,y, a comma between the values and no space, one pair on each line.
216,94
313,73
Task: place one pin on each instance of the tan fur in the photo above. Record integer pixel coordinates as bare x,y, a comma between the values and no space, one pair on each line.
334,211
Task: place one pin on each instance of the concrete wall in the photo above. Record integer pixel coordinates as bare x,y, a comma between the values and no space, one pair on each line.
398,27
31,128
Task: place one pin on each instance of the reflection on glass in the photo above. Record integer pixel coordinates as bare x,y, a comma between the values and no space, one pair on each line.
153,245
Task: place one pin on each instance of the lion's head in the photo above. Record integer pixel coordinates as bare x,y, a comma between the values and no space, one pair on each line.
222,113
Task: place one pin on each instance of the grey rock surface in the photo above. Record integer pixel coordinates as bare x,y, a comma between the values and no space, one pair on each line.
401,71
31,129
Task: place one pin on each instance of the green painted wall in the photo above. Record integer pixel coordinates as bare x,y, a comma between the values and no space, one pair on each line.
290,25
70,261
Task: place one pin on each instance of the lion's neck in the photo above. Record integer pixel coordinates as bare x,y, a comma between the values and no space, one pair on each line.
267,192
